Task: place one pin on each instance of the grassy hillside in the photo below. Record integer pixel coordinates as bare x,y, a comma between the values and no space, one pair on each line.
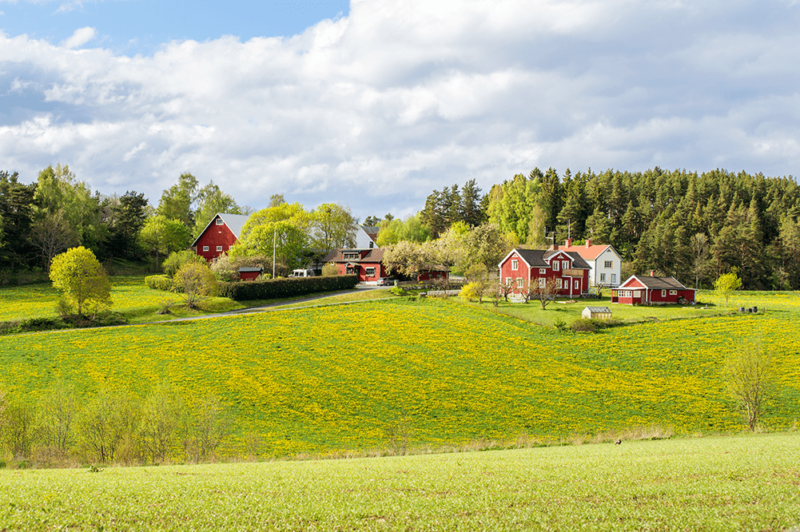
332,378
720,484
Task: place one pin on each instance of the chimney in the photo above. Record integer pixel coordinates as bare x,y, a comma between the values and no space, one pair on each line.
652,273
555,244
588,242
568,243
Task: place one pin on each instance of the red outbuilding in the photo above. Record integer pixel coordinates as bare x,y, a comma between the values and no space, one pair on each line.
652,290
522,267
219,235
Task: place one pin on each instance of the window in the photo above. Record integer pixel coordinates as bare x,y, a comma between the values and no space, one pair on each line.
205,248
219,248
515,265
663,293
555,265
673,292
608,264
519,282
542,282
602,277
613,277
565,265
542,271
370,272
577,284
220,222
558,284
509,280
351,255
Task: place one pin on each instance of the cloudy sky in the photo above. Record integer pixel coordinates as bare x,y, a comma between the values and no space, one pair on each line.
375,103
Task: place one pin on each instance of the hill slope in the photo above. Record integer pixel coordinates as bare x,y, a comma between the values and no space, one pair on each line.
338,378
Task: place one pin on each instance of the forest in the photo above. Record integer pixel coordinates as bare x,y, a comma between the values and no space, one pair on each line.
694,226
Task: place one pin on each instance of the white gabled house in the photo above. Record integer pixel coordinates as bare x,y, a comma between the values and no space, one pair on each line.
603,259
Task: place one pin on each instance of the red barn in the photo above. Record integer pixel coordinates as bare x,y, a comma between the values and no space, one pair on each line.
219,235
366,263
652,290
522,267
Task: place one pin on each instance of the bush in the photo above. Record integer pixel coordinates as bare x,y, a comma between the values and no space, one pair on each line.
177,259
398,291
584,325
330,269
159,282
196,282
280,288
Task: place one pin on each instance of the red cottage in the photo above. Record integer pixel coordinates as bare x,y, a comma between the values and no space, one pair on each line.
219,235
652,290
524,266
366,263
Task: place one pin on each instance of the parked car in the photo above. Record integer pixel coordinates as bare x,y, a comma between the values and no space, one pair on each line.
302,273
386,281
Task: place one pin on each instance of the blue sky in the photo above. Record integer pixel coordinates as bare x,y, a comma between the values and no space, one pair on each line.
375,103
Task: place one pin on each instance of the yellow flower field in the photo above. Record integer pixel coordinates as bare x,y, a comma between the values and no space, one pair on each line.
339,377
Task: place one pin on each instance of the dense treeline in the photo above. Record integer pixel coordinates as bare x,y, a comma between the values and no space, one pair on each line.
693,226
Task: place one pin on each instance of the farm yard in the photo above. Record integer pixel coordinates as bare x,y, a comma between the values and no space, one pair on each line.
324,380
731,483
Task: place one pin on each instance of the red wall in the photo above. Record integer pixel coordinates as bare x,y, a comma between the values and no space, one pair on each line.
215,235
248,276
524,272
380,271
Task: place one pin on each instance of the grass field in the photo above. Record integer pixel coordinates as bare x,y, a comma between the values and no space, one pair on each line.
331,378
714,484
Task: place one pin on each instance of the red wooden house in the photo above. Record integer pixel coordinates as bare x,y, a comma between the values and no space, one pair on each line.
219,235
652,290
366,263
522,267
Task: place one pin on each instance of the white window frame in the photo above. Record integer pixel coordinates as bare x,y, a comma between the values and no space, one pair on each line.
555,265
514,265
542,271
602,277
613,277
519,282
220,221
673,292
663,293
219,248
205,248
509,281
608,264
565,265
542,282
577,284
370,272
559,284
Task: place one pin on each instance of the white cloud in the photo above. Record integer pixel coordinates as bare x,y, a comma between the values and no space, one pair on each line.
80,37
378,108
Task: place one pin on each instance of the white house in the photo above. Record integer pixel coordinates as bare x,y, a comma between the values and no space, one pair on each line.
604,261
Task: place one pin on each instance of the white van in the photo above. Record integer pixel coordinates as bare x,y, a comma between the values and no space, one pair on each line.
302,273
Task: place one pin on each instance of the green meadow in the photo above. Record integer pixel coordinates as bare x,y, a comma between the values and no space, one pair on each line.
714,484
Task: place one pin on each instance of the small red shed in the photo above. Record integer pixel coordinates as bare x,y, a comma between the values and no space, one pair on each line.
219,235
250,274
652,290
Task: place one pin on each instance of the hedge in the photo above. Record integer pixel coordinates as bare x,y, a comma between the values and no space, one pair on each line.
279,288
159,282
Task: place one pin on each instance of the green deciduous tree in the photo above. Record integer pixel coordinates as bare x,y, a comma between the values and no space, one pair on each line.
196,282
210,201
162,236
727,284
333,227
58,190
749,376
177,203
82,280
285,226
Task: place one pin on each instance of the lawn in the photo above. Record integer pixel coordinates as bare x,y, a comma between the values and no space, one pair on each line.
719,484
325,379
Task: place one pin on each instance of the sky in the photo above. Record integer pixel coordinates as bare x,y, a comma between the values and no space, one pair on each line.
375,103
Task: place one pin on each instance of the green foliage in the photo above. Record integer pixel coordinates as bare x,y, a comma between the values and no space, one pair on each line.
397,291
211,201
177,259
281,288
286,226
727,284
749,375
159,282
330,269
472,291
195,281
82,279
584,325
333,227
177,203
58,190
161,235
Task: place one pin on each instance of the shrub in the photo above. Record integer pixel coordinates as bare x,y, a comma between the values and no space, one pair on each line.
196,282
330,269
225,269
584,325
472,291
177,259
280,288
159,282
82,280
398,291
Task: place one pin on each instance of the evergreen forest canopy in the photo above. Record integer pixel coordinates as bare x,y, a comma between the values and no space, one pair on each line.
689,225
